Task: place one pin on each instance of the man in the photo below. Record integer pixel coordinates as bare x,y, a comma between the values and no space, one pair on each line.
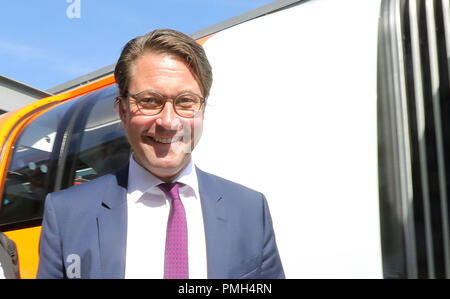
160,216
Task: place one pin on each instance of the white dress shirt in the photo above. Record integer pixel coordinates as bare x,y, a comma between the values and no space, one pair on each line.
148,211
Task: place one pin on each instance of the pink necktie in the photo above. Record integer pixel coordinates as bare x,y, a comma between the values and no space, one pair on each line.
176,256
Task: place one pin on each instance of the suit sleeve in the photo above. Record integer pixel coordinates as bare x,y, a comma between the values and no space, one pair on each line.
50,253
271,263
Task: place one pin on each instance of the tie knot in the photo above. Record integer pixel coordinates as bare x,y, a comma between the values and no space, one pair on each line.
171,189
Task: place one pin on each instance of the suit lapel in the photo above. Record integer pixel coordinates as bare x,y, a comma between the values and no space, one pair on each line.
215,222
112,226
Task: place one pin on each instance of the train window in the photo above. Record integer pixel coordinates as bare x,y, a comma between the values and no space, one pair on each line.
103,147
29,177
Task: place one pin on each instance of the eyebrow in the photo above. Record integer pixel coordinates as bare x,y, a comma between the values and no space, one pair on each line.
169,96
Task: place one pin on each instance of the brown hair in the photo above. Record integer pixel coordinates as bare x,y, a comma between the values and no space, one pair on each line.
164,41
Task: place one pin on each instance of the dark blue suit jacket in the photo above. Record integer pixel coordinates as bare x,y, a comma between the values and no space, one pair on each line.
84,230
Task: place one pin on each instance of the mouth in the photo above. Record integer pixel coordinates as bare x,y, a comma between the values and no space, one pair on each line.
166,140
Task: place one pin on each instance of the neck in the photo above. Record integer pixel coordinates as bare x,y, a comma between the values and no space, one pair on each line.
167,174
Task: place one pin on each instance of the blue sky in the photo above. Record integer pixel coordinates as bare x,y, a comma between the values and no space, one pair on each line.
48,42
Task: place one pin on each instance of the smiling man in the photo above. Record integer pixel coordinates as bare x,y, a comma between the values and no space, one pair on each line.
160,216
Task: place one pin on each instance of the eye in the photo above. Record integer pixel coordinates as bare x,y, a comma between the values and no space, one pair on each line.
187,101
149,100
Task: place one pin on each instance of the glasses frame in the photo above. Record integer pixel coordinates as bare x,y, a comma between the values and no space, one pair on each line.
173,98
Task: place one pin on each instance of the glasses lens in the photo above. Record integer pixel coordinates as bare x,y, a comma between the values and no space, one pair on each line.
149,102
187,104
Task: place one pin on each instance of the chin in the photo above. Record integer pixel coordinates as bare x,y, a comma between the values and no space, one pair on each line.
167,165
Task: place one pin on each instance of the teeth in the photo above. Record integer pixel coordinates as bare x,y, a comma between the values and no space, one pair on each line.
170,140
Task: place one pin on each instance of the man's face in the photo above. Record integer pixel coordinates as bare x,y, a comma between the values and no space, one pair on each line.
161,143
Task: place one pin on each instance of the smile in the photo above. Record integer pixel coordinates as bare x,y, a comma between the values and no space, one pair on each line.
167,140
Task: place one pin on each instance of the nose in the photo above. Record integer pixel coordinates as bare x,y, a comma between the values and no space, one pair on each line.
168,118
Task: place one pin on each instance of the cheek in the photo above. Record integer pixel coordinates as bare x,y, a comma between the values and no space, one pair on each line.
197,129
135,127
192,131
140,124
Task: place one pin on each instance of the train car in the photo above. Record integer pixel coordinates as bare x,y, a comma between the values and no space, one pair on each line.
338,111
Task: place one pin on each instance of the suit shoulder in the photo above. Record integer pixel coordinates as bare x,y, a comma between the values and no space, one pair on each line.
230,187
86,193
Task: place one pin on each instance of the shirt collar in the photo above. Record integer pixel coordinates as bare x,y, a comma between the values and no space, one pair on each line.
189,178
141,180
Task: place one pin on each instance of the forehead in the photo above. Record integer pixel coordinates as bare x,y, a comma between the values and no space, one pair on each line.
162,72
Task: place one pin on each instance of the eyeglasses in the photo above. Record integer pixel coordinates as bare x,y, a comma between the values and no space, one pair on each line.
151,102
